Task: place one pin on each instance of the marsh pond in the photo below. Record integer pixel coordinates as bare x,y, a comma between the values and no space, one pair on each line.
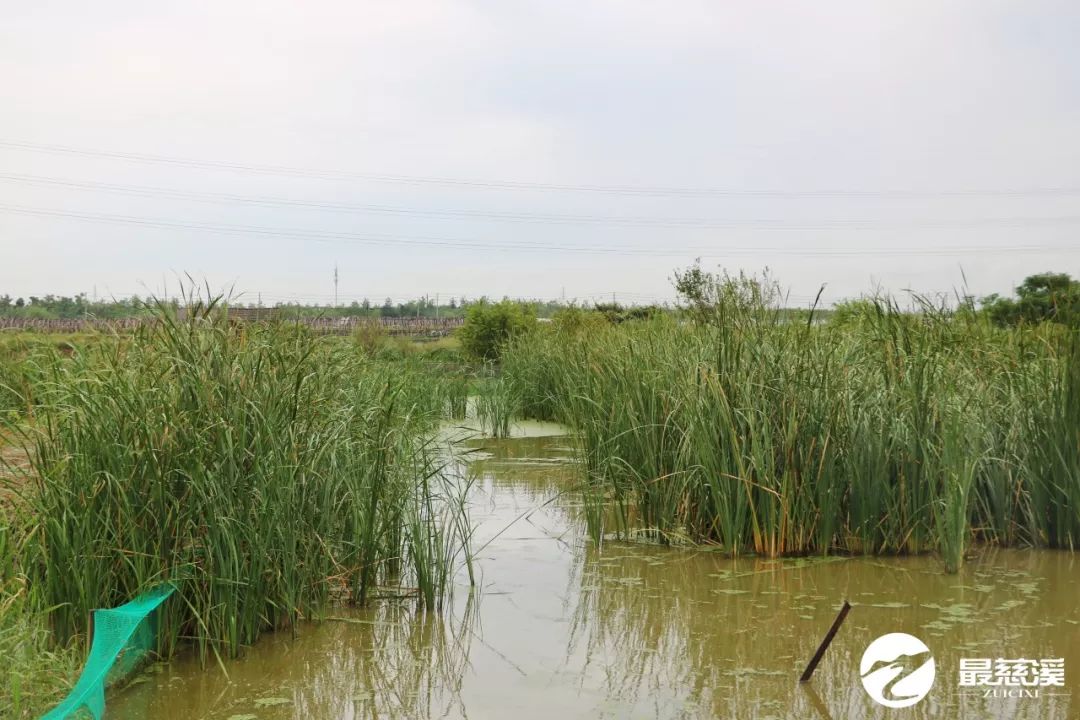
561,627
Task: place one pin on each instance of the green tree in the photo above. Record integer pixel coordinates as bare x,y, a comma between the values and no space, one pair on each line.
1042,297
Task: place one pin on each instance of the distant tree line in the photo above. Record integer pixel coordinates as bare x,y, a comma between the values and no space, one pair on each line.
1045,297
424,307
62,307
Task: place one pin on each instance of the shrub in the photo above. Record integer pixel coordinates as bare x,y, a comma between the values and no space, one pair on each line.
490,326
573,320
370,336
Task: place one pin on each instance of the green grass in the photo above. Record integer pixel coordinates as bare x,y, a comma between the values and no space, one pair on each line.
892,432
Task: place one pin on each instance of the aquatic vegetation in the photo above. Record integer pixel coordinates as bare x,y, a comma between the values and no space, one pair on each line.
896,431
263,471
456,392
496,406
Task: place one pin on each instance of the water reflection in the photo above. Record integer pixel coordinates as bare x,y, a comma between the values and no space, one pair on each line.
384,662
561,628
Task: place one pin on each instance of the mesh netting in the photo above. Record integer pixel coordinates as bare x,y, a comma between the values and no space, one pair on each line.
123,636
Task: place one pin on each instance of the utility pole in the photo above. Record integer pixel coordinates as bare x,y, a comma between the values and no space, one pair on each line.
335,284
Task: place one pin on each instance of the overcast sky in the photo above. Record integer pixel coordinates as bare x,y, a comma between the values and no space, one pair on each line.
536,149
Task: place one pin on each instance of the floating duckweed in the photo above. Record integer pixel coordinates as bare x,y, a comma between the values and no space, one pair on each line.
758,671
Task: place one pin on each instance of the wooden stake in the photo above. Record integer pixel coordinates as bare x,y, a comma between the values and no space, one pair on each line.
825,642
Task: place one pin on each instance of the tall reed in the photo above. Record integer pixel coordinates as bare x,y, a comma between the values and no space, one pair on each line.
895,431
263,471
496,405
36,672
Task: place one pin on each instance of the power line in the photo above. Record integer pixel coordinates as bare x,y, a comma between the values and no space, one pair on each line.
658,222
501,184
461,243
266,201
317,236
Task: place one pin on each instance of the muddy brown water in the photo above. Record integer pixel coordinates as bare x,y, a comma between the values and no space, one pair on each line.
563,629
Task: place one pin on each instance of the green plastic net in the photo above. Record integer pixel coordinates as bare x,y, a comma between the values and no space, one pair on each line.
123,636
